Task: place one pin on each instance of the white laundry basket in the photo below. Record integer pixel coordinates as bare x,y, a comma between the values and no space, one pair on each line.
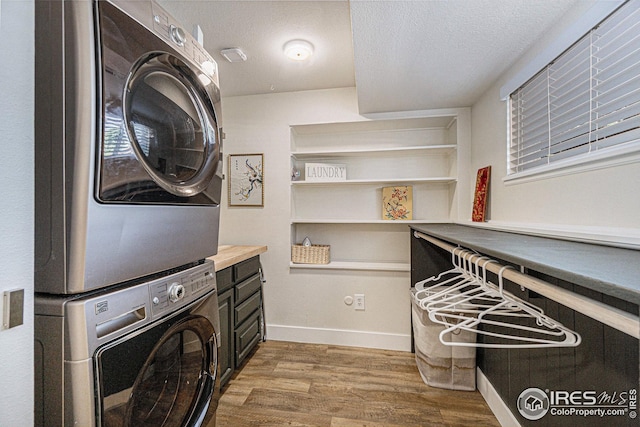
442,366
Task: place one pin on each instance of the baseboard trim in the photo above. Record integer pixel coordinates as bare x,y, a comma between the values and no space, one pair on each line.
495,402
351,338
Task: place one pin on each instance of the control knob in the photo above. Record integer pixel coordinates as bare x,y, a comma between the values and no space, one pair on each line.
177,35
176,292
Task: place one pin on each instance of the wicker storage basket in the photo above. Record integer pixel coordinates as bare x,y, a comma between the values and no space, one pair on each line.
314,254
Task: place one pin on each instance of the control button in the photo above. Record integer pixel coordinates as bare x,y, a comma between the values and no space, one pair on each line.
177,35
176,292
156,300
161,24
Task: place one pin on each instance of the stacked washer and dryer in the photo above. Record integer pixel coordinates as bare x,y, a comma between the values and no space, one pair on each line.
128,186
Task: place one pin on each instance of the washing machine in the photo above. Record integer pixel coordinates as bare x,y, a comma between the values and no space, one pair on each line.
140,355
128,145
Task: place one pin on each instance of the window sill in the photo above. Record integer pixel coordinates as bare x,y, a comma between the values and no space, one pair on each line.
607,158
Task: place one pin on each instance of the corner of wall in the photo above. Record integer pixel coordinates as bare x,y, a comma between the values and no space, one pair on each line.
16,168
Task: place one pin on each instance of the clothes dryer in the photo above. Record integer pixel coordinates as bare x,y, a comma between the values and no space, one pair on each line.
128,144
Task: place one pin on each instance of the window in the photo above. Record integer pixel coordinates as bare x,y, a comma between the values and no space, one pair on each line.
585,102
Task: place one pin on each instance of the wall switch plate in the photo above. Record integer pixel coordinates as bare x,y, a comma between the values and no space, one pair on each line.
359,301
13,308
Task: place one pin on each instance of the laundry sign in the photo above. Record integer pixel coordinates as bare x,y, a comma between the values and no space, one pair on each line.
321,172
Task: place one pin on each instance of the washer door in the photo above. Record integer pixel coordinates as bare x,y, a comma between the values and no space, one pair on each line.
165,381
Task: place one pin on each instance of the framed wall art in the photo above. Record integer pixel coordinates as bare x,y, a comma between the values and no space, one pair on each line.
246,180
397,202
481,195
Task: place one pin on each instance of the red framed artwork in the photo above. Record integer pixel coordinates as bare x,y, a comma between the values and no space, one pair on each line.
481,193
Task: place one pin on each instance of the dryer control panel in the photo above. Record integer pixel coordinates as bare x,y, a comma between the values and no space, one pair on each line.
156,19
170,30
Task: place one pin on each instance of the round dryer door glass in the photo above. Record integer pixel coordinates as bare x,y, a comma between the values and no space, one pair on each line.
170,124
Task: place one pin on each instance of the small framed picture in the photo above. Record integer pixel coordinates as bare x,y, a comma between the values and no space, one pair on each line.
246,180
397,202
481,194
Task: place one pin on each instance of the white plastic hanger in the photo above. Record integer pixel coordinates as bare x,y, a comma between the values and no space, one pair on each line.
447,282
462,299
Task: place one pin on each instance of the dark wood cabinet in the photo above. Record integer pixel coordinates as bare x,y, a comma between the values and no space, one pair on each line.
240,307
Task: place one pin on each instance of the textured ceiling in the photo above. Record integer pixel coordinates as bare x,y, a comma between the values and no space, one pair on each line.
260,29
413,55
400,55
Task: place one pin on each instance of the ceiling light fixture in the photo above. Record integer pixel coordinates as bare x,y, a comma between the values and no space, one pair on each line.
298,50
234,54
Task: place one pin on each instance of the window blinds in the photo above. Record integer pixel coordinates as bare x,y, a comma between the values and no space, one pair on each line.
587,99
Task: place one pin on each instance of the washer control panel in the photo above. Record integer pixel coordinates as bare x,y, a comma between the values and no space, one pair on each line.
181,288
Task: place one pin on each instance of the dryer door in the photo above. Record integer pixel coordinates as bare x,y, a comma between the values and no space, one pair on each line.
164,376
169,122
160,133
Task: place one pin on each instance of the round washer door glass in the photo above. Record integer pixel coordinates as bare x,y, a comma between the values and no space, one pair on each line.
162,377
171,124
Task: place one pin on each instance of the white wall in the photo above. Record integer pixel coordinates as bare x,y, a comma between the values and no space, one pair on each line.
16,209
305,305
600,204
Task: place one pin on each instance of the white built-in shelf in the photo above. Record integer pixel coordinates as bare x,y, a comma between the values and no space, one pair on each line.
356,265
365,221
432,149
409,181
418,152
374,126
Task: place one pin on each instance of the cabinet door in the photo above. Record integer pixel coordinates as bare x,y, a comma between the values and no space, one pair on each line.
247,337
227,343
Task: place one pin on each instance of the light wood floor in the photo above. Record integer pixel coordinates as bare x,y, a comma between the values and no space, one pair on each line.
289,384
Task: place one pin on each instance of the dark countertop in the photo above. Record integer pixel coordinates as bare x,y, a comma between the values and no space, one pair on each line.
611,271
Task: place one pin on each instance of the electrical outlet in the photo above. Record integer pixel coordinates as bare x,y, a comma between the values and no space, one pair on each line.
359,301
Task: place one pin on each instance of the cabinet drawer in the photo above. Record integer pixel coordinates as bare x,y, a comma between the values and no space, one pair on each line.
247,288
246,268
244,310
224,279
247,336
